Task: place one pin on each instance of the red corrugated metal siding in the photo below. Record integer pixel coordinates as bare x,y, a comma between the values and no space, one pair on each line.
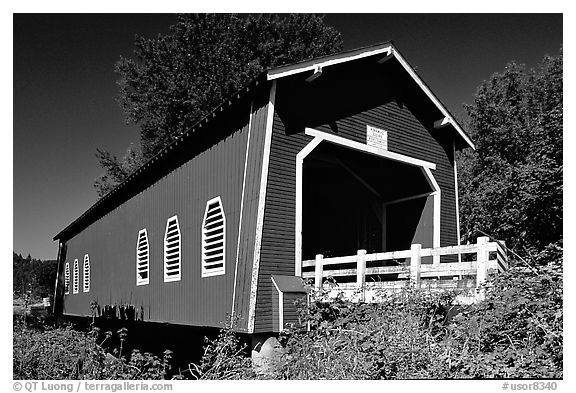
111,241
250,211
277,251
275,311
406,135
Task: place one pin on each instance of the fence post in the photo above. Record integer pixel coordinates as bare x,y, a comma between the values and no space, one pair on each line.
415,264
361,273
481,264
318,270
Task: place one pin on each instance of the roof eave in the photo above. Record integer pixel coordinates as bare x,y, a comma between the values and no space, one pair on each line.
242,93
445,112
386,49
326,61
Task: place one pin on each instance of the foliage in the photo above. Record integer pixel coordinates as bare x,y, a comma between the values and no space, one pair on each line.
511,186
116,169
65,353
224,358
394,339
176,79
516,332
33,277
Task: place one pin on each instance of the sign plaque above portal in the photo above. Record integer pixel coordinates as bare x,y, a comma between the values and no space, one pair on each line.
377,137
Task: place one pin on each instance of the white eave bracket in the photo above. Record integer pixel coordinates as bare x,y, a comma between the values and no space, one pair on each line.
317,73
447,117
313,65
384,59
442,123
383,53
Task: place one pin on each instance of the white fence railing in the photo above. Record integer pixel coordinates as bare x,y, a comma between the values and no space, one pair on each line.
489,256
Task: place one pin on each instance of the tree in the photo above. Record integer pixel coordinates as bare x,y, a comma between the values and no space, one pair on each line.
175,80
511,186
33,275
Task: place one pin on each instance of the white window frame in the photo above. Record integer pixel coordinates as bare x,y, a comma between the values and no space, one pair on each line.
86,274
140,259
176,277
76,277
67,279
211,272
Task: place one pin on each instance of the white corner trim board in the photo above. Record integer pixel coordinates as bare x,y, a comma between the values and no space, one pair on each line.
242,208
261,204
457,197
369,149
280,306
437,212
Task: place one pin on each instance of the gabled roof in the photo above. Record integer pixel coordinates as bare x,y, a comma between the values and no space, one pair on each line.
386,51
382,52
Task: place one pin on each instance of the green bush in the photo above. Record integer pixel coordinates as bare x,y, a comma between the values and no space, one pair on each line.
516,332
395,339
224,358
64,353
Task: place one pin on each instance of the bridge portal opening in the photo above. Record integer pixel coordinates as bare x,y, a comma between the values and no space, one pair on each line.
354,200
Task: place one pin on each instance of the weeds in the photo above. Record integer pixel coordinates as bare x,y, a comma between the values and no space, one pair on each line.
516,332
64,353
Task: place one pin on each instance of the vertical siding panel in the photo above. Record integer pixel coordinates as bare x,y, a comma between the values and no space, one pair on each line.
111,241
277,252
250,213
406,135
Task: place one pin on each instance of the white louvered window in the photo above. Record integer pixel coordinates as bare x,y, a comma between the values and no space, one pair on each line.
213,239
67,279
86,274
142,259
172,250
76,277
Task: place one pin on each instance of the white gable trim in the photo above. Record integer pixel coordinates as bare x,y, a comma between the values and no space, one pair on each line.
318,64
447,116
369,149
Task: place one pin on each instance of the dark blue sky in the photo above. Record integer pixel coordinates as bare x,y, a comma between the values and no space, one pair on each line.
64,89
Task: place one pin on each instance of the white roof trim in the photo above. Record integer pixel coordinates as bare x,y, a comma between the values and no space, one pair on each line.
320,63
432,97
388,49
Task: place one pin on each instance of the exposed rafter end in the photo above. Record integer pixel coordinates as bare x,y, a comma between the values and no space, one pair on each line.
442,122
384,59
316,74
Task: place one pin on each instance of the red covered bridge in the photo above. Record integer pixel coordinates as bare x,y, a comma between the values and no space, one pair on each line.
329,156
